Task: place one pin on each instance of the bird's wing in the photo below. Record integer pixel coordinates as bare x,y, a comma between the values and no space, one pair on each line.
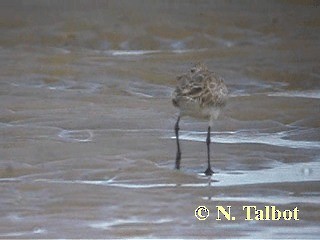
190,87
216,91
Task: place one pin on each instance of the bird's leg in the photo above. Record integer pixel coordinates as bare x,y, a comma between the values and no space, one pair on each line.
178,156
209,171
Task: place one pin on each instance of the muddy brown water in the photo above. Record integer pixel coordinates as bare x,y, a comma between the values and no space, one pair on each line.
87,145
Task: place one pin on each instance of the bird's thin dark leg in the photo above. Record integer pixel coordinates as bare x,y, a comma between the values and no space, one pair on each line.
209,171
178,156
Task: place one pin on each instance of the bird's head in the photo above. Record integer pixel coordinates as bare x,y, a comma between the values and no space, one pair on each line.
198,67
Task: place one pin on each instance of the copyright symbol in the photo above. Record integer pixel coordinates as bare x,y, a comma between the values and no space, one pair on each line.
202,213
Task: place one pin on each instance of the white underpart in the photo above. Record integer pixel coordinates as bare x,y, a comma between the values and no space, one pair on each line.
214,113
193,109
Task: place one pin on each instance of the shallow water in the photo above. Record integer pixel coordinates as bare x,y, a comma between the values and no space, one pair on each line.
87,145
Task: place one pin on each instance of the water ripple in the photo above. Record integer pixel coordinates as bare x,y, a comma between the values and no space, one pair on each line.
148,90
57,84
76,135
280,173
19,234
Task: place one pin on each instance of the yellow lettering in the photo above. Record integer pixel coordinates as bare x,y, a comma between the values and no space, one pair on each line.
227,214
248,215
295,213
267,217
259,215
275,214
287,214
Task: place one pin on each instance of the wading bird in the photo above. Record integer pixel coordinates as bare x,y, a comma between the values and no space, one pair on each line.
199,93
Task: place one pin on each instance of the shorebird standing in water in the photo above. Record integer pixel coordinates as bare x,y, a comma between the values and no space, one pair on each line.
202,94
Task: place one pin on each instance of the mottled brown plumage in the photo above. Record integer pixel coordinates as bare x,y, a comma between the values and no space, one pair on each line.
199,93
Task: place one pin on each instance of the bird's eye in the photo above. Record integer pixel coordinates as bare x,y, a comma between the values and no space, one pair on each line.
193,70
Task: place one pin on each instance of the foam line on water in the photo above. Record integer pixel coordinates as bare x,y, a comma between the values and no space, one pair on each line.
131,220
130,52
301,94
299,172
274,139
268,199
149,52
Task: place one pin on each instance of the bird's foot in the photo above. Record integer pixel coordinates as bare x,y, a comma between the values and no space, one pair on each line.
177,166
208,172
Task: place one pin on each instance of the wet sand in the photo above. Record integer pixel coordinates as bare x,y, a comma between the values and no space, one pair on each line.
87,146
